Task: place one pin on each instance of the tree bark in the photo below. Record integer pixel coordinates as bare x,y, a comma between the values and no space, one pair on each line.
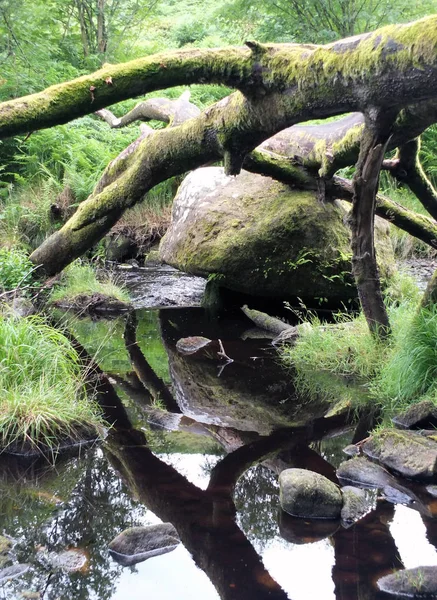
378,69
407,168
377,131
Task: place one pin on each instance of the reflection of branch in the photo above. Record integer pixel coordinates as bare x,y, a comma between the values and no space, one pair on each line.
226,473
154,384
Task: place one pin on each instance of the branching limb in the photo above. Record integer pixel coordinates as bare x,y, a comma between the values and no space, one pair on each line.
407,168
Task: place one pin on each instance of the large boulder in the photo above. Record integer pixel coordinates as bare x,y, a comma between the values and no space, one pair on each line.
264,238
309,495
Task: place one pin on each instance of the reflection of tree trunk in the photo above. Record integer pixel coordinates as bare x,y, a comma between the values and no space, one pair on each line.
364,553
207,529
146,374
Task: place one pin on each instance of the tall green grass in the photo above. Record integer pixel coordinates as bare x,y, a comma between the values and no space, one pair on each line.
42,392
394,374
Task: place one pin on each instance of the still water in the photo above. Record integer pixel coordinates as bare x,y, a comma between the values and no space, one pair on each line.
201,446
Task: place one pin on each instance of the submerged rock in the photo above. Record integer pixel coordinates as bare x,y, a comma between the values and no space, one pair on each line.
420,582
14,571
70,561
422,415
264,238
309,495
356,504
140,543
405,452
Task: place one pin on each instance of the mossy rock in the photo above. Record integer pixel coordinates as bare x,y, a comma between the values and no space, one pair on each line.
264,238
309,495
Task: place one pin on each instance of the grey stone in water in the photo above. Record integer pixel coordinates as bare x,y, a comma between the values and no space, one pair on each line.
432,490
406,452
193,344
422,415
14,571
140,543
356,504
420,582
351,450
364,473
309,495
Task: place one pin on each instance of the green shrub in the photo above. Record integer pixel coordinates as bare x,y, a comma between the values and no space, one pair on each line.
15,269
43,397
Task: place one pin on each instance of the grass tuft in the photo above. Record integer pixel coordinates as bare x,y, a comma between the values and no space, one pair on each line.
80,278
42,391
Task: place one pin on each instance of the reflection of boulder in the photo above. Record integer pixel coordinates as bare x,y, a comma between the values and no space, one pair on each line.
301,531
309,495
139,543
249,395
264,238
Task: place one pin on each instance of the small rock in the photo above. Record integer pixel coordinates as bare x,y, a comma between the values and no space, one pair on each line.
351,450
309,495
191,345
405,452
364,473
432,490
420,582
71,560
140,543
422,415
356,504
14,571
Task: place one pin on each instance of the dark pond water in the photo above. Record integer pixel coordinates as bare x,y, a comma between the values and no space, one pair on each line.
200,446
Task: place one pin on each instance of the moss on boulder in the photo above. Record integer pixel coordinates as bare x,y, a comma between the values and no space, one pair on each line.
264,238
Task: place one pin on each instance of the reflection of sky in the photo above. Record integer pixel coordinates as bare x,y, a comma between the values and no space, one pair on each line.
172,576
409,534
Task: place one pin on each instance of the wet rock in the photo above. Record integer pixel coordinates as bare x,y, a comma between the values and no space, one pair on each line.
422,415
361,472
405,452
352,450
356,504
140,543
230,226
309,495
432,490
14,571
194,344
300,531
70,561
420,582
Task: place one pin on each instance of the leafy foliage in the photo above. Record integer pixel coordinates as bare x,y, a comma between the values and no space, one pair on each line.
15,269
